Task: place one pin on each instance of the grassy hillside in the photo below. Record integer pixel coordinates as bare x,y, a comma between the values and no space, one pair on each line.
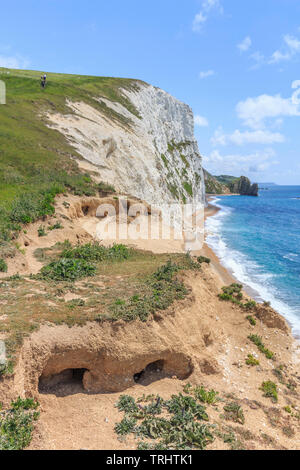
37,161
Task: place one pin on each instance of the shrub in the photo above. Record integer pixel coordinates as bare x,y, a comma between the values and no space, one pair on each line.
96,252
251,320
250,305
3,266
203,259
105,187
234,412
232,293
56,226
126,426
206,396
257,340
68,270
251,361
41,231
270,390
16,424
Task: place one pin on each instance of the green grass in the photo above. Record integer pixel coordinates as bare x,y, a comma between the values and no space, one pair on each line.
17,424
37,162
109,284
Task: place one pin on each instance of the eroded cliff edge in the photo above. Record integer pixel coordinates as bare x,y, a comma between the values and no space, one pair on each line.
149,152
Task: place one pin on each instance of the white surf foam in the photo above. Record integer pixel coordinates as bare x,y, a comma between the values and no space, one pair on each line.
246,270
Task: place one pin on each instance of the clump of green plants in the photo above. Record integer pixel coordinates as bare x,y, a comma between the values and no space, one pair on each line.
178,423
56,226
3,266
210,397
232,293
234,412
96,252
80,261
250,305
270,390
288,409
257,340
41,231
203,259
251,320
278,372
17,424
252,361
105,188
68,270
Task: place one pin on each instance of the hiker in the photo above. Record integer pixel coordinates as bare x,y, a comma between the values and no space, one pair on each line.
43,80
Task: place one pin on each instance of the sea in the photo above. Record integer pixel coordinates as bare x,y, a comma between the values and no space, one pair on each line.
258,240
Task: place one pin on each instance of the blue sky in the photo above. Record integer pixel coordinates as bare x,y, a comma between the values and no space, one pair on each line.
236,63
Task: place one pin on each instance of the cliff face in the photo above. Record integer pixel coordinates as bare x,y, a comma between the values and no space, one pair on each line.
151,153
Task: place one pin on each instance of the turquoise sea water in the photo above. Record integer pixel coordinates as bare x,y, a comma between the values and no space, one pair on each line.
258,240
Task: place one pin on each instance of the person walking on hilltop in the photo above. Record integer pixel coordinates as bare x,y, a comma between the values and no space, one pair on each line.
43,80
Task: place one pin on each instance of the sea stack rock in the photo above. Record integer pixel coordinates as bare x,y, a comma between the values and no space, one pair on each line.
244,187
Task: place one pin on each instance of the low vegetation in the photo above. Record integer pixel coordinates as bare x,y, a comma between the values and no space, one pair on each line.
80,262
234,412
179,423
270,390
234,294
210,397
257,340
17,424
3,266
161,289
203,259
252,361
109,283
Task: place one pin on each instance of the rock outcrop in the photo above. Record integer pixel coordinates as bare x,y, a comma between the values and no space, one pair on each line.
244,187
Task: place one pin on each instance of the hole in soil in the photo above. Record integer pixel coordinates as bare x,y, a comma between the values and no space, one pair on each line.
85,210
152,372
66,382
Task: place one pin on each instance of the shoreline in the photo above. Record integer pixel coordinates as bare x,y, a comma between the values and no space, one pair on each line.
226,276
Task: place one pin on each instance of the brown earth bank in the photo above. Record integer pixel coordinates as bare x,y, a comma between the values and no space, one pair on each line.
78,373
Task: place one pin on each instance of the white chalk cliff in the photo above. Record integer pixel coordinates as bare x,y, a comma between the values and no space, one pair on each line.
155,157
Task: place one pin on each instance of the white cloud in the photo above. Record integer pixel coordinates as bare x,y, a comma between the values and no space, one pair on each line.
254,111
201,121
13,62
206,73
291,48
203,15
245,44
247,137
239,164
